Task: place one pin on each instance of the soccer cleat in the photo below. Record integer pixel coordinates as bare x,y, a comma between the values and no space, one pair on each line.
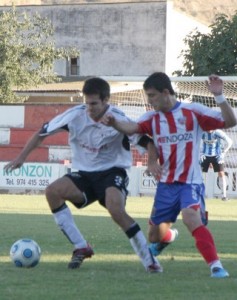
224,199
218,272
154,268
79,255
157,248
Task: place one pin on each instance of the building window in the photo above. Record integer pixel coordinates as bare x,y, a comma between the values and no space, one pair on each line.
74,66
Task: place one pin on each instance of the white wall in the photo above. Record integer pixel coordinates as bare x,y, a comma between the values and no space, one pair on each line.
4,136
122,39
60,67
12,116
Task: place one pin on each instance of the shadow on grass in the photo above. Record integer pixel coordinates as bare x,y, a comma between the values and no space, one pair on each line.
115,280
103,234
114,272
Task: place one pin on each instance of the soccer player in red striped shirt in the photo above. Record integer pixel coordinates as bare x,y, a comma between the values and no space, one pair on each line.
177,130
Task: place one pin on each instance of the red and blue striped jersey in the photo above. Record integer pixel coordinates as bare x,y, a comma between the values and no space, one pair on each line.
177,135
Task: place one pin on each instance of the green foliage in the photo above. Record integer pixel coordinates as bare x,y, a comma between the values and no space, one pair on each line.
27,52
215,52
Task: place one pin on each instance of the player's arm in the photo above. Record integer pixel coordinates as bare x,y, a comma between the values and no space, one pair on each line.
128,128
153,166
228,114
215,86
36,139
33,143
228,142
202,145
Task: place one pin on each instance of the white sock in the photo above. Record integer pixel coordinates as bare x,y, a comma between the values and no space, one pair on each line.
224,185
216,264
174,234
65,222
141,248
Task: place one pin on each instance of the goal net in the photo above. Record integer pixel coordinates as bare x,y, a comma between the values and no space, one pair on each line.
129,96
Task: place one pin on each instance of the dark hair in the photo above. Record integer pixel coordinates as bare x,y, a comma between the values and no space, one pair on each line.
98,86
158,81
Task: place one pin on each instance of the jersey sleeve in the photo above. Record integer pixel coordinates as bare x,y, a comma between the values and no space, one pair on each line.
61,121
145,123
138,140
44,129
227,140
208,118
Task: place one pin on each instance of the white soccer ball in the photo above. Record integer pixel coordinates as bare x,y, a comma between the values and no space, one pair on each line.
25,253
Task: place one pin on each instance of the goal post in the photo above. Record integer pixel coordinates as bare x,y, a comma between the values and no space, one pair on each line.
193,89
129,90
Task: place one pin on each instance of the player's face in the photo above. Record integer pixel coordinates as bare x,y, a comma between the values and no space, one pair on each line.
158,100
95,106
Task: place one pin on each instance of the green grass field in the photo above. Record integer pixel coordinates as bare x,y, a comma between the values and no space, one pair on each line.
114,272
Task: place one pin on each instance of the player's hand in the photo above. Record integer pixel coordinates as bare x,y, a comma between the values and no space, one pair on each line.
108,120
220,158
202,158
154,170
215,85
12,165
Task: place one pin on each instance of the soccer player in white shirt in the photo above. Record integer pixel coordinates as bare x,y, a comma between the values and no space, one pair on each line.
100,157
177,130
215,144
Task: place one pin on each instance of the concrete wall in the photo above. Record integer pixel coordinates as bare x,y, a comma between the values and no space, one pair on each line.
119,39
23,121
62,2
122,39
125,37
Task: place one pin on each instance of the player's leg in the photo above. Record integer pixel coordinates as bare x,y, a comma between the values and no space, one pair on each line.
115,203
203,211
161,236
219,168
57,193
190,202
164,213
223,184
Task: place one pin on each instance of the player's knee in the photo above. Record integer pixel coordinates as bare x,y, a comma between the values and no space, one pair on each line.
118,214
153,235
115,212
51,191
191,218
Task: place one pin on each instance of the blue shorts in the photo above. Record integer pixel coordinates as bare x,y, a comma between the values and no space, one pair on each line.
171,198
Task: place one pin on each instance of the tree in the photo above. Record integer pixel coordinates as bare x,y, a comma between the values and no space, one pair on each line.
27,52
215,52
